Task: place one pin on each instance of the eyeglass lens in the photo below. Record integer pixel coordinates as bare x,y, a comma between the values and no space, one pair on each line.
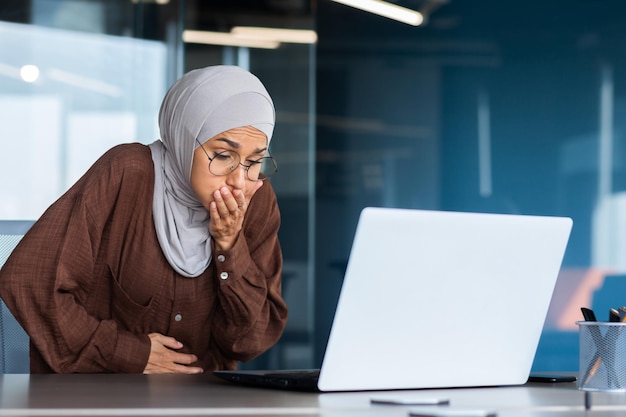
223,163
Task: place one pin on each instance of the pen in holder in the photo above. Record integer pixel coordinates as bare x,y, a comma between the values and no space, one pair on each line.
602,365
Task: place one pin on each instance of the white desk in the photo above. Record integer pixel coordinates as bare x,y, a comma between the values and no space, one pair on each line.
180,395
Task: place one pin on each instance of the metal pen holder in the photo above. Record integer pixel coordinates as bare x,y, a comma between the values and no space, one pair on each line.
602,365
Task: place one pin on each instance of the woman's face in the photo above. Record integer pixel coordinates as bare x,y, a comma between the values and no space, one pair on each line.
248,142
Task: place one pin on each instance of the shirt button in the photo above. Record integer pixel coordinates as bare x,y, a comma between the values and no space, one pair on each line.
221,258
224,275
178,317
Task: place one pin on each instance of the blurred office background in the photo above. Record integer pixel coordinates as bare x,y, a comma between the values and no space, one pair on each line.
488,105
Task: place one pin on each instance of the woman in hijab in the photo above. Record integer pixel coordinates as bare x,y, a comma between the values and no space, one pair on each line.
161,258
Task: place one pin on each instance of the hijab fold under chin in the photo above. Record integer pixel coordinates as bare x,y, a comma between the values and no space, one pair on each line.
200,105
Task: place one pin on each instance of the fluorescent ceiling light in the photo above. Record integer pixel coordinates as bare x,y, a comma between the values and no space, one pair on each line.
383,8
151,1
10,71
273,34
84,82
227,39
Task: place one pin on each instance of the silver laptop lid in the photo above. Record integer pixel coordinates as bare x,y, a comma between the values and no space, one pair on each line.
442,299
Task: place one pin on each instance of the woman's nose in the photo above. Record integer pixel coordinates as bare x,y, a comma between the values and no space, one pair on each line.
237,178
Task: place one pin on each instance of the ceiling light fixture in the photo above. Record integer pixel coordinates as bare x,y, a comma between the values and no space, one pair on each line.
151,1
10,71
383,8
226,39
275,34
83,82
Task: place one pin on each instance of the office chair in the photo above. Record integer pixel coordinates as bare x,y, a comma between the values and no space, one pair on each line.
14,342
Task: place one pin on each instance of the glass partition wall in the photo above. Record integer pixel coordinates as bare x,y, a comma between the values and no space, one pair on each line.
501,106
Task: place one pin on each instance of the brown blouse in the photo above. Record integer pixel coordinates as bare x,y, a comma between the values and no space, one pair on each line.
89,282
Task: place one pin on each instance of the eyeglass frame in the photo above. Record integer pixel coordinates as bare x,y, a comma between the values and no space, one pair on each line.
245,167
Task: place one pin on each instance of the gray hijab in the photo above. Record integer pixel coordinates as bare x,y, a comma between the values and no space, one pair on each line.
200,105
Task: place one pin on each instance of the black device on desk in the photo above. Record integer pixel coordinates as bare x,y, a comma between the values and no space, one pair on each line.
548,378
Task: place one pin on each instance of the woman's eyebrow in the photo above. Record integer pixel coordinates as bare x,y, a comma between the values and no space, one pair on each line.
235,145
229,142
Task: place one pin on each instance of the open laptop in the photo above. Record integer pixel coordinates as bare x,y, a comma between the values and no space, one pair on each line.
435,299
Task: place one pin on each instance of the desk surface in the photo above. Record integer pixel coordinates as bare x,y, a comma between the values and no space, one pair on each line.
184,395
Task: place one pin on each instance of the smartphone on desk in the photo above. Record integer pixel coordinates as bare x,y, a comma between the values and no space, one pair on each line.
551,378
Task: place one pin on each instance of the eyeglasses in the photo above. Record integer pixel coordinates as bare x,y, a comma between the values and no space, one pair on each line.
225,162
